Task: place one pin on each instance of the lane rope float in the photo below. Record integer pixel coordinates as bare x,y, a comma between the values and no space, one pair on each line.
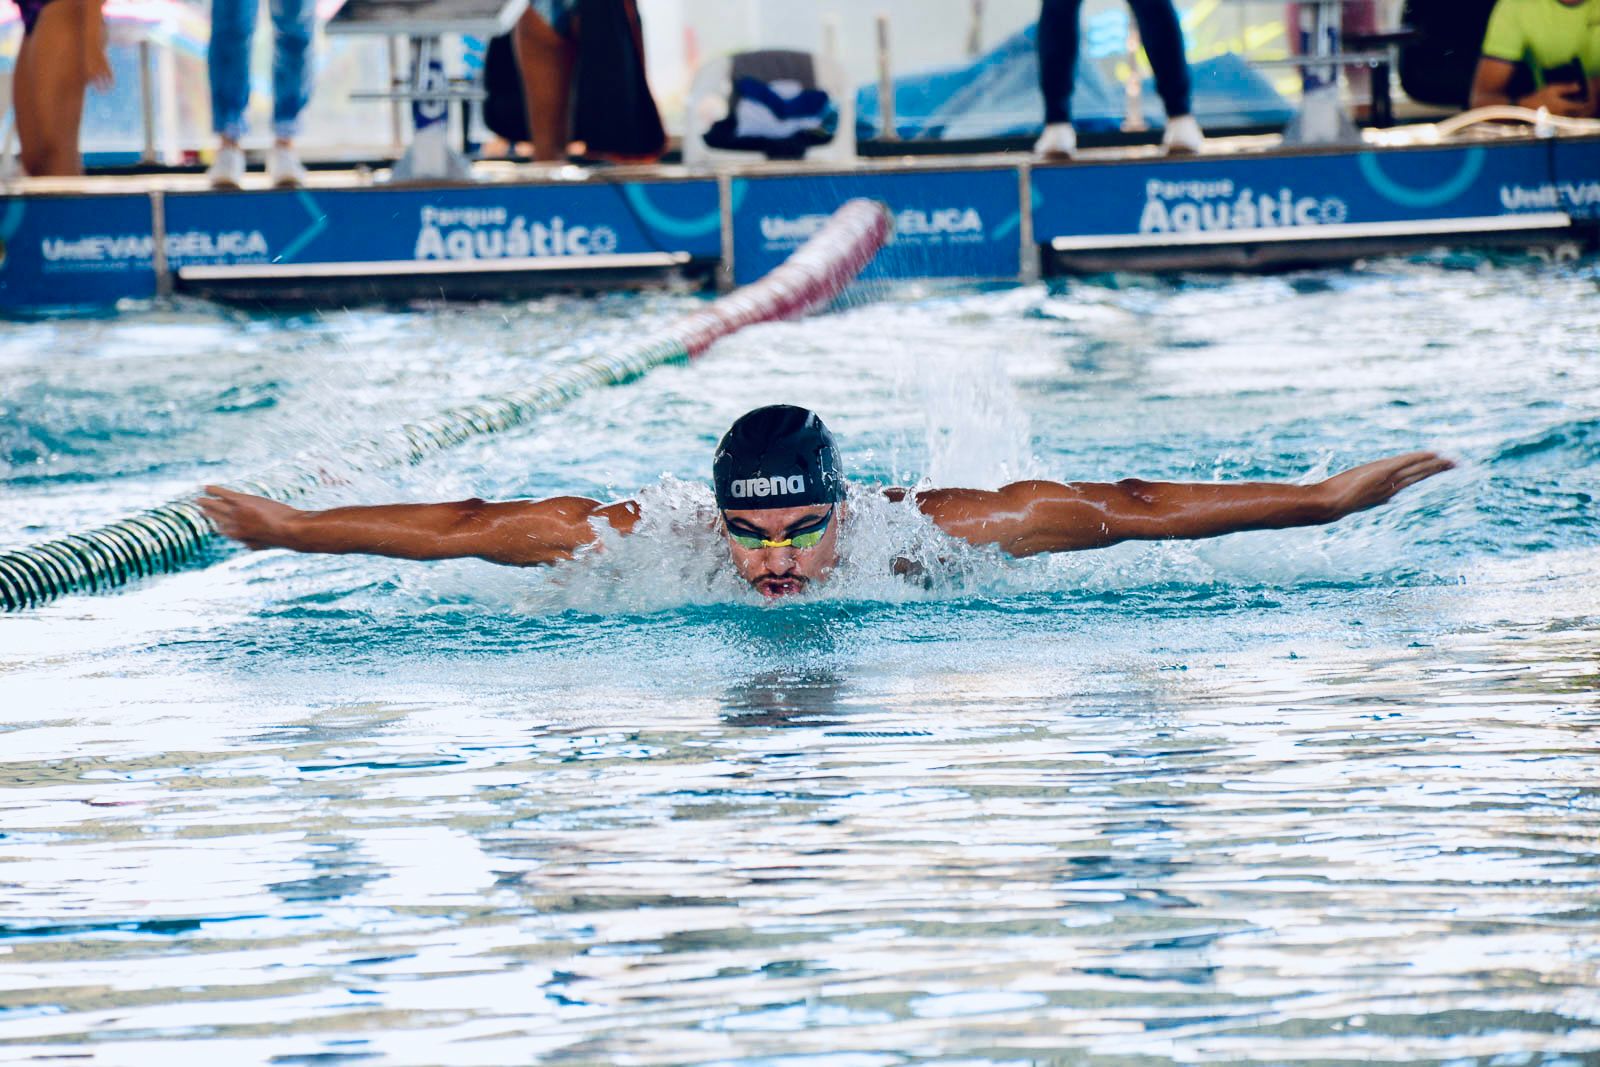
169,537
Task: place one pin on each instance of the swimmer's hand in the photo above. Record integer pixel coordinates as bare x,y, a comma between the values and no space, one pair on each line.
1371,484
1028,518
522,533
254,521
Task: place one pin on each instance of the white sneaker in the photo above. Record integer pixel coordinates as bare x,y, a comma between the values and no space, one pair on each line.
1058,141
284,167
227,169
1183,136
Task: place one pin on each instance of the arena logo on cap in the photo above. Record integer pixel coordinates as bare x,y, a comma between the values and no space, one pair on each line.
777,485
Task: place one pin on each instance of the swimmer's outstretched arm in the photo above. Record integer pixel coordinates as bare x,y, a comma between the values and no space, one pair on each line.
523,533
1027,518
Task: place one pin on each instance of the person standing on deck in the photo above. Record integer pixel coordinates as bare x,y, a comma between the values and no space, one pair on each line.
63,52
781,503
1557,41
233,24
581,64
1162,38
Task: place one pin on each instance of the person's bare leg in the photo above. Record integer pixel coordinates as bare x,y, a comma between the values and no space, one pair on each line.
545,61
50,87
30,123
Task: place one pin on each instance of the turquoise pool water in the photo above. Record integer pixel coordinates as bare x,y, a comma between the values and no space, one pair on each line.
1316,796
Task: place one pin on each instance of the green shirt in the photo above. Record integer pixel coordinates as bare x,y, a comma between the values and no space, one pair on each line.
1545,34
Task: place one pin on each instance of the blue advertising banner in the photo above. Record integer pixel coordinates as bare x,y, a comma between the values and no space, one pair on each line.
478,223
1246,193
947,224
66,252
1576,185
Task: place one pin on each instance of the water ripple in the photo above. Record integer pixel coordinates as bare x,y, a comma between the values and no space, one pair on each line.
1317,796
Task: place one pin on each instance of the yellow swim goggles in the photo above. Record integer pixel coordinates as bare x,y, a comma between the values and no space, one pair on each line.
804,538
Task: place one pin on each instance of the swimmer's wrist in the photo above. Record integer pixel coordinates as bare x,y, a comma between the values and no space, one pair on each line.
1323,503
292,531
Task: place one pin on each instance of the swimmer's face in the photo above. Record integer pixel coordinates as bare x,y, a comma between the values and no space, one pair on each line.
784,570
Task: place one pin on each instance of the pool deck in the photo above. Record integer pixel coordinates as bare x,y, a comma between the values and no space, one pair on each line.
1246,202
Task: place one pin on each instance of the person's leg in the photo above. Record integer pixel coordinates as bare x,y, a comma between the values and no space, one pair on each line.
293,25
233,23
1162,37
50,77
614,115
545,59
25,105
1058,57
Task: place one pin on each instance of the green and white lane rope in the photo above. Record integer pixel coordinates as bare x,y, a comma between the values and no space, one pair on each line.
170,537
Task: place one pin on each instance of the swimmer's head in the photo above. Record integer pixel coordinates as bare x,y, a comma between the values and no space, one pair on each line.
777,457
780,489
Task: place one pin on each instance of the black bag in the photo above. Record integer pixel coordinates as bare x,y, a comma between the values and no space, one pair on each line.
614,112
505,109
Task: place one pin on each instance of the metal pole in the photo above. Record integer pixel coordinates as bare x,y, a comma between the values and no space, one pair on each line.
158,244
9,167
885,82
1028,254
147,104
1324,42
166,83
397,132
725,265
975,30
1133,89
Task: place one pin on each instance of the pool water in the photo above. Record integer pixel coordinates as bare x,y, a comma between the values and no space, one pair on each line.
1312,796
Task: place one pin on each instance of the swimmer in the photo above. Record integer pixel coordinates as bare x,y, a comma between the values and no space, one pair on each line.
780,495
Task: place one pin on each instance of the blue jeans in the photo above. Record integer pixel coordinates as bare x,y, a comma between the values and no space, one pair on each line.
233,23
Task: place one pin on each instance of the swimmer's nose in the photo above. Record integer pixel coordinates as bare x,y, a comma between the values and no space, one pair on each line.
779,561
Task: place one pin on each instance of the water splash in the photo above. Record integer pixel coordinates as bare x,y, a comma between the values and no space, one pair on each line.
1108,805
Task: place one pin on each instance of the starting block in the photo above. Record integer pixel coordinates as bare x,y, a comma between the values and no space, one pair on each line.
424,23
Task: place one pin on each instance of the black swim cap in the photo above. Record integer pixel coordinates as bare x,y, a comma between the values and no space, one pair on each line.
777,457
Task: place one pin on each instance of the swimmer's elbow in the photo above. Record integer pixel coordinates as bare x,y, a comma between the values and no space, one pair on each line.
1137,491
468,524
465,514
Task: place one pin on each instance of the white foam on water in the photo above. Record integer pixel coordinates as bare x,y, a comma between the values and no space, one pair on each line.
674,558
977,434
677,557
891,552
